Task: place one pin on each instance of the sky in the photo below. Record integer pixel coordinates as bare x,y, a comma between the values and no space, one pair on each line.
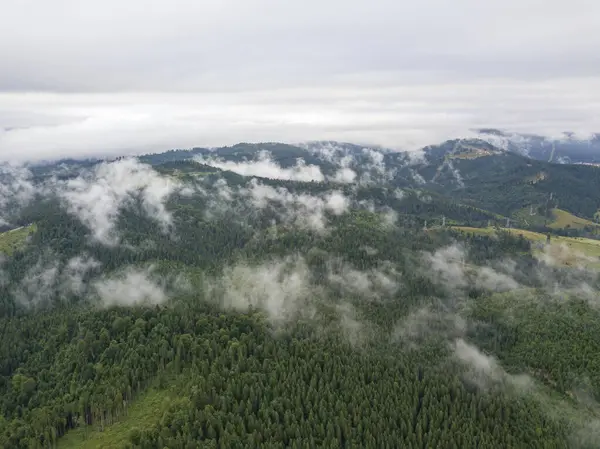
88,78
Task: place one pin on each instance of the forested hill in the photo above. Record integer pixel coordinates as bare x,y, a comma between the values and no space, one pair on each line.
322,295
470,171
566,149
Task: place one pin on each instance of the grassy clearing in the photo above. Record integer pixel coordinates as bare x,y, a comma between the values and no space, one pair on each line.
146,410
588,247
15,238
525,218
562,219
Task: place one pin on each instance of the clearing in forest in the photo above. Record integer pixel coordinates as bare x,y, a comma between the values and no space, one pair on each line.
15,238
143,413
588,247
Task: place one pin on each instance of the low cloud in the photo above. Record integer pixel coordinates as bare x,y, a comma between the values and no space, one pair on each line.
16,190
344,175
50,277
561,255
489,279
370,109
426,322
97,197
302,210
448,268
484,370
265,167
75,272
281,288
286,290
373,283
39,283
132,286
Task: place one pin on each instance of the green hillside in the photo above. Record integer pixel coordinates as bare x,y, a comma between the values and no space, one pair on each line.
185,306
15,239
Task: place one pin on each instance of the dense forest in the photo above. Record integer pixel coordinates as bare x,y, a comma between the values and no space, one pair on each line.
356,298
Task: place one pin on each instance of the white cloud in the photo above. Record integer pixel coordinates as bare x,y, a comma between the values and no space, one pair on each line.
74,272
133,286
281,288
335,71
373,283
96,198
48,277
39,282
265,167
448,267
425,322
344,176
403,116
490,279
303,210
560,255
16,189
484,370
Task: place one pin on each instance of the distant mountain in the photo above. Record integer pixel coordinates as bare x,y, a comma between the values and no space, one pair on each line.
498,173
568,150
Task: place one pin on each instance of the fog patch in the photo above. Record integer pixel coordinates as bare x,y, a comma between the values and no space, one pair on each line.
344,175
302,210
426,322
375,283
484,370
75,271
97,197
490,279
448,268
560,255
38,285
281,288
16,190
353,329
49,277
265,167
132,286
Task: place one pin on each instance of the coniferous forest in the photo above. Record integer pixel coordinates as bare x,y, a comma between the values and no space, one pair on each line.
347,298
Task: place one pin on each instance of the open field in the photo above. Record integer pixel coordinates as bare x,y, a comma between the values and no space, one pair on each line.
562,219
588,247
143,413
15,238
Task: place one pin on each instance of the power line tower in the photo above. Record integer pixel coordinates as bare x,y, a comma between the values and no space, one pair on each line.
443,221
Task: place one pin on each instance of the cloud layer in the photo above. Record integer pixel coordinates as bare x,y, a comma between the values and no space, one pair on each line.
402,116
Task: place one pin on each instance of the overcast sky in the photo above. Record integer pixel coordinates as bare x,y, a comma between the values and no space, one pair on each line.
81,77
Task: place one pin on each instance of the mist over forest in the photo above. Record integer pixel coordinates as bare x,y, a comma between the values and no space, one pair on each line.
316,295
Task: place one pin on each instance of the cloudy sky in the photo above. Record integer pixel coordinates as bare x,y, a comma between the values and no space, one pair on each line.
82,77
